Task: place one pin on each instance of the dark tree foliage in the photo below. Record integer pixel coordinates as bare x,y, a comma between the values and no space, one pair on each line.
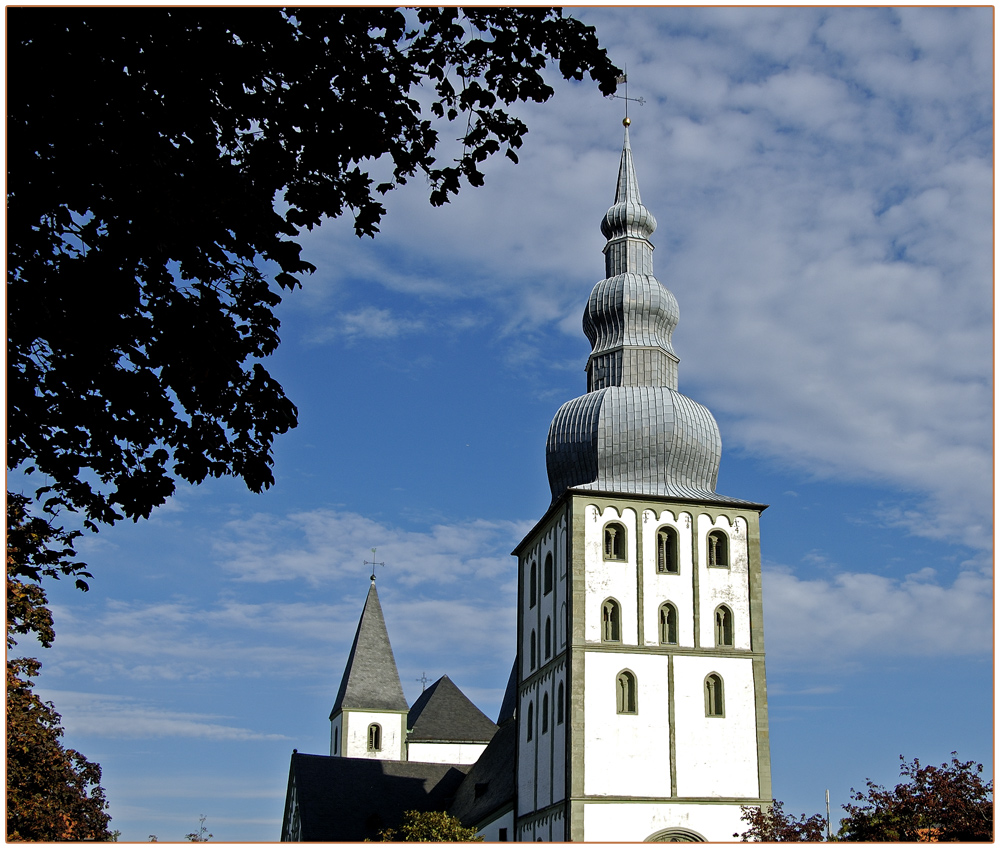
429,827
53,793
947,803
773,825
161,162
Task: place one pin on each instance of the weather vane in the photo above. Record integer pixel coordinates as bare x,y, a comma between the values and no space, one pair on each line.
373,564
623,80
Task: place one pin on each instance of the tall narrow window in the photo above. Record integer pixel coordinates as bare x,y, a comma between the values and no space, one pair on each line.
336,740
533,585
548,638
545,713
547,575
723,626
614,541
668,624
374,737
534,651
531,718
718,548
626,692
714,704
562,624
560,700
666,551
611,621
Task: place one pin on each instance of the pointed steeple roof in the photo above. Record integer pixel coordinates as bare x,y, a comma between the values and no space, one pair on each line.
371,680
443,712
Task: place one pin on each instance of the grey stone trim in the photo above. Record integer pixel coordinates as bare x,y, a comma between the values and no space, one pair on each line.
671,722
695,579
757,644
674,800
619,648
576,731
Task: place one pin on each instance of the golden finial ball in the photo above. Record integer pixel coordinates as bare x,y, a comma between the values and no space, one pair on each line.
626,121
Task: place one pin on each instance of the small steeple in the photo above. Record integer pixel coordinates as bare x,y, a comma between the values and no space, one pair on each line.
371,679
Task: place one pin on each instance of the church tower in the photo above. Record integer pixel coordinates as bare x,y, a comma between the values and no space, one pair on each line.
368,719
642,706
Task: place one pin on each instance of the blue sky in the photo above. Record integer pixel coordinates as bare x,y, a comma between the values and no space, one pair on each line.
822,179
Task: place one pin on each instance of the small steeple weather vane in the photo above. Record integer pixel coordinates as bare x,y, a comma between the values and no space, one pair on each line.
623,80
373,564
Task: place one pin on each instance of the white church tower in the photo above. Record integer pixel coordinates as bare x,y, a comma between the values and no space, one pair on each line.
642,703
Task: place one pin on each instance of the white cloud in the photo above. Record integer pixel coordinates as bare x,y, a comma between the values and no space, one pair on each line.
825,623
323,545
102,715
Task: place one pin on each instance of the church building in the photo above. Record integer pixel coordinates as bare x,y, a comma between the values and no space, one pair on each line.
636,708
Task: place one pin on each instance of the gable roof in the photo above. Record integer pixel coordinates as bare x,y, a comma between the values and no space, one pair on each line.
444,713
371,679
489,786
508,708
351,799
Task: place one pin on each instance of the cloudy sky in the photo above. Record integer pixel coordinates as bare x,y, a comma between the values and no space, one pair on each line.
822,179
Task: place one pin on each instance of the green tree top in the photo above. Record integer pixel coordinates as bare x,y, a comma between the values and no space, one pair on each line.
429,827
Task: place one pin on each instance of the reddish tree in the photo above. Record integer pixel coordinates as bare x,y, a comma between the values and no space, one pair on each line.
773,825
943,803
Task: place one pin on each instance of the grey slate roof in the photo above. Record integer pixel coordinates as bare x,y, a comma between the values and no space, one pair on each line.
489,786
371,679
508,707
351,799
444,713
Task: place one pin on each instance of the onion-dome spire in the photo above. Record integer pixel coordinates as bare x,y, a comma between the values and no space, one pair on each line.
633,432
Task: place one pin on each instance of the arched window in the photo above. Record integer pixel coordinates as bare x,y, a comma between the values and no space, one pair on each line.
545,713
548,638
559,704
374,737
336,739
534,651
611,621
531,718
533,585
626,692
666,551
718,548
668,624
714,698
723,626
562,624
614,541
547,575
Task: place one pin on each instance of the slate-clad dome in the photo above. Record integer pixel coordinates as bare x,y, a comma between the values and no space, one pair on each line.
633,432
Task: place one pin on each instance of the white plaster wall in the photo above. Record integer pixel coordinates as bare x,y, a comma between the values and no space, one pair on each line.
544,752
549,605
716,756
724,586
444,753
626,754
612,578
526,752
490,831
356,743
634,822
559,737
658,588
547,829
